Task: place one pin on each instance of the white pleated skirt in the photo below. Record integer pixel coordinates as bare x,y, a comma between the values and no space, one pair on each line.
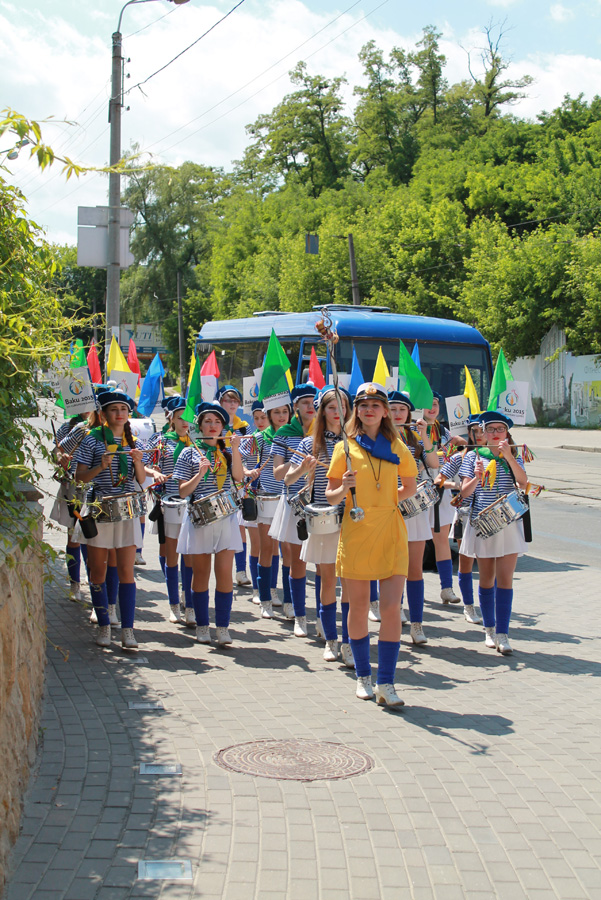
446,511
224,534
283,527
172,529
508,540
112,535
320,548
418,527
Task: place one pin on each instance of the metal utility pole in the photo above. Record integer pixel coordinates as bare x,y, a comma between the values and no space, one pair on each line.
354,281
180,335
113,268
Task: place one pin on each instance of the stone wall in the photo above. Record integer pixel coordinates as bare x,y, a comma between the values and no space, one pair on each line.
22,664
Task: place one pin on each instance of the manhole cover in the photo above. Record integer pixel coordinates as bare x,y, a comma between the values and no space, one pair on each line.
294,760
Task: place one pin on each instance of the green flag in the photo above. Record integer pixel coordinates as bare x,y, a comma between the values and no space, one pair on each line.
413,382
500,378
194,395
274,379
78,355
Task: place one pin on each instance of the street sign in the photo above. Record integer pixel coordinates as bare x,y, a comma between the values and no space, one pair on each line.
93,236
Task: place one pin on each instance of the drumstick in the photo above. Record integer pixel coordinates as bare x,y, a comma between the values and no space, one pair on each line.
318,461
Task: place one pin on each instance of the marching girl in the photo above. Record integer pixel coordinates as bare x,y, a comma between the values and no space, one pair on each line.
283,527
108,460
258,449
202,469
497,555
444,512
418,527
375,547
449,471
321,549
230,399
161,453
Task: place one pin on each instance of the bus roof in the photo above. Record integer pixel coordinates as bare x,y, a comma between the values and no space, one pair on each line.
350,321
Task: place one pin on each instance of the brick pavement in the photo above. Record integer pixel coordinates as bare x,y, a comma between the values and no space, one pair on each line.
487,785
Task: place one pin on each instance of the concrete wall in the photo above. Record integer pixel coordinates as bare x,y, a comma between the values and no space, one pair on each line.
22,665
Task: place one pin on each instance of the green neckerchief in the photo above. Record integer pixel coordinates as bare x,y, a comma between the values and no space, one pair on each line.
165,428
268,434
105,436
217,460
182,443
294,429
486,453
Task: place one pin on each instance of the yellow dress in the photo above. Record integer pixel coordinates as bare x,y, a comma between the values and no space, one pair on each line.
376,547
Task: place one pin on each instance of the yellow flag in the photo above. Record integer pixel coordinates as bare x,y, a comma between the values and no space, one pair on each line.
289,379
192,364
381,372
116,359
470,392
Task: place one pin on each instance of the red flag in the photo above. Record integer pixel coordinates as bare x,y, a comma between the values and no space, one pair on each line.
132,359
315,373
94,364
209,366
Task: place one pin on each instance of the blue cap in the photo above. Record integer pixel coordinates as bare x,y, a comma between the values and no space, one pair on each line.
400,397
490,416
257,404
106,397
438,397
474,419
173,404
206,407
302,390
329,389
226,390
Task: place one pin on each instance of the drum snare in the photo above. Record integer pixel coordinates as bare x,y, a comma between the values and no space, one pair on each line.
425,497
498,515
173,510
323,519
267,505
121,508
211,508
299,502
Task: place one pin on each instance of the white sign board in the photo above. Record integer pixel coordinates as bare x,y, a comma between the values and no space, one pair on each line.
142,429
513,402
458,413
208,387
78,393
250,392
391,383
344,380
125,381
282,399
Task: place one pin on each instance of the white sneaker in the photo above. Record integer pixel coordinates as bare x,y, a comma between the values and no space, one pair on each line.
364,689
330,654
128,640
417,633
266,610
275,597
319,630
103,636
346,655
203,634
288,611
93,617
472,614
386,695
503,645
490,638
448,595
300,626
113,620
242,579
255,598
404,619
374,611
139,560
190,617
175,616
222,636
75,592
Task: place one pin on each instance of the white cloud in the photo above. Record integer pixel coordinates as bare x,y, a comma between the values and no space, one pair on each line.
560,13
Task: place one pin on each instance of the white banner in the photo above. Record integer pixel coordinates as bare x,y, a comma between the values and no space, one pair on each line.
282,399
344,380
417,414
514,401
126,382
391,383
250,392
208,387
258,373
78,393
458,413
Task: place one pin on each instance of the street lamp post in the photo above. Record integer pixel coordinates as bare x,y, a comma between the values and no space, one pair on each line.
113,269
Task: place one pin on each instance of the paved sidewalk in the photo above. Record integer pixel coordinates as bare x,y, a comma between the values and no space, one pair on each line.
487,785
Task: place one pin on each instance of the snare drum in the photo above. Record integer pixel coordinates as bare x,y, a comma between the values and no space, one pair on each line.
299,502
425,497
322,519
121,508
173,510
505,510
267,505
212,508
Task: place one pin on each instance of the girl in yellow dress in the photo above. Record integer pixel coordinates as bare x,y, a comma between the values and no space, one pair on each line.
376,546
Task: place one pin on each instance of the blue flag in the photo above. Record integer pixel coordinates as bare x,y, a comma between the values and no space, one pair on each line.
415,356
356,376
152,387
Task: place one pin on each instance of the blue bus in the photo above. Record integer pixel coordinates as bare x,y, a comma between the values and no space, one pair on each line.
445,346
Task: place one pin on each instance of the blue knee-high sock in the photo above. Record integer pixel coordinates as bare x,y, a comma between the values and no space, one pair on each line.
328,620
503,604
298,588
223,608
74,564
253,565
100,603
275,568
84,553
286,584
163,564
415,600
182,571
373,591
264,583
127,604
344,627
241,559
318,597
445,572
360,650
486,597
172,579
466,586
112,584
388,654
188,586
200,601
143,527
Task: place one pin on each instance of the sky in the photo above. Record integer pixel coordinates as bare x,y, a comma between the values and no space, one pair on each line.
55,59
